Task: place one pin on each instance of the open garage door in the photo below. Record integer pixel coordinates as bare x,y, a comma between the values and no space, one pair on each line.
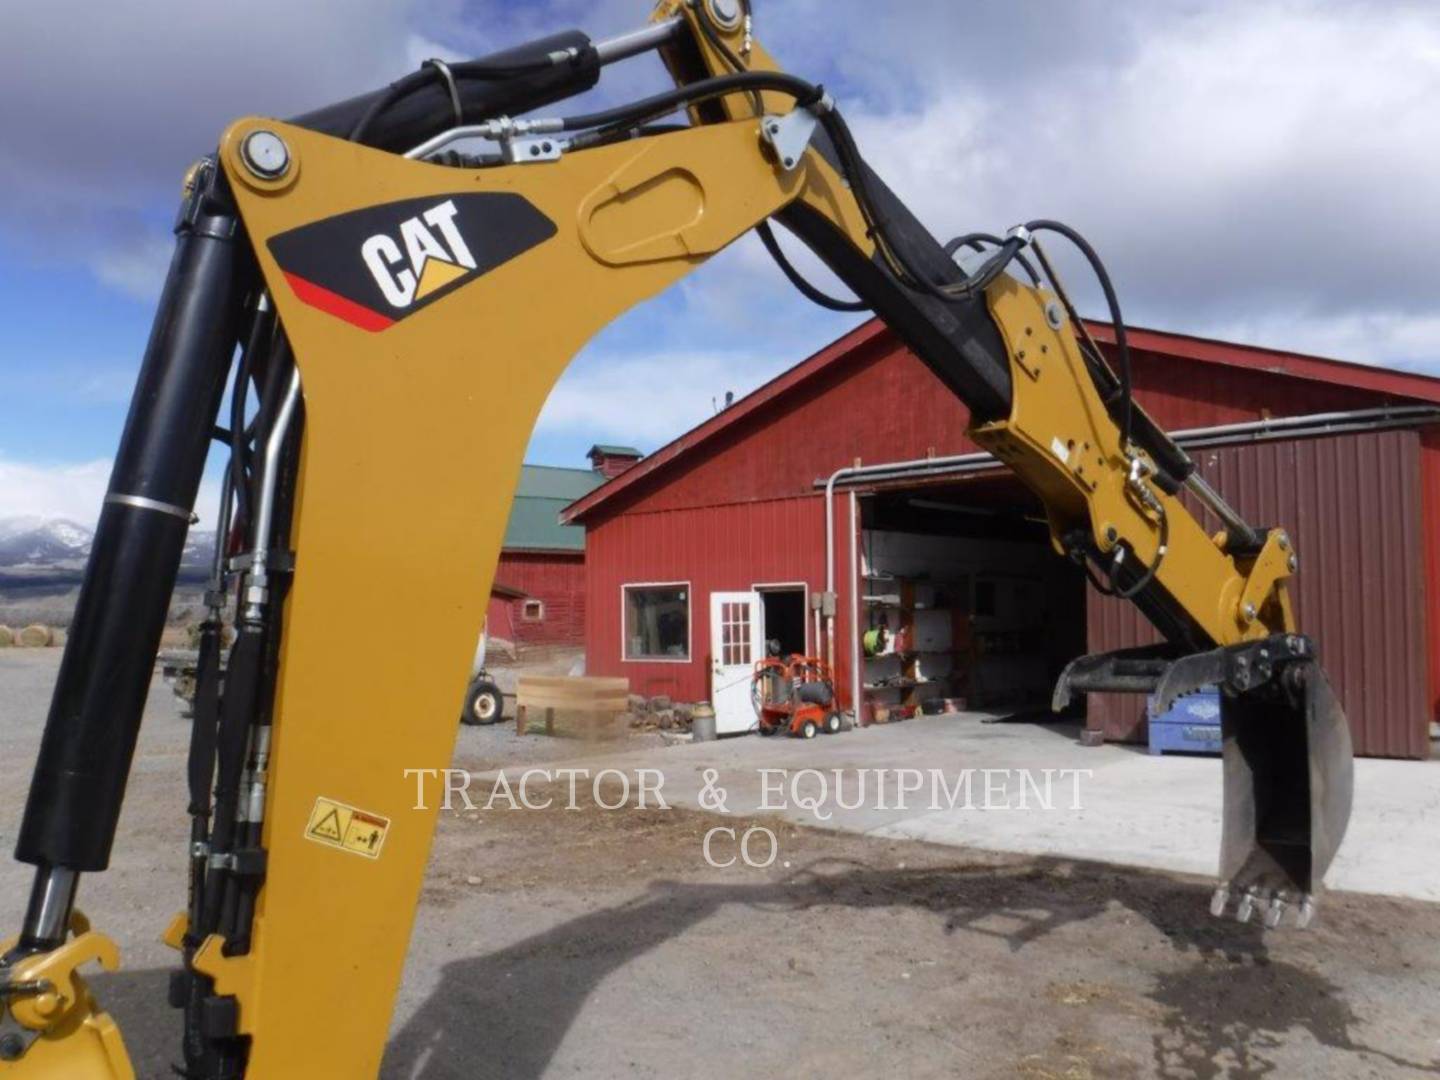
965,605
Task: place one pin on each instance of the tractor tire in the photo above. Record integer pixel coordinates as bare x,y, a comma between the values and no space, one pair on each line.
484,704
832,724
808,729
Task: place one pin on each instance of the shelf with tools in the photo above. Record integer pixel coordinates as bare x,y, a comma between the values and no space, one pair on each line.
912,650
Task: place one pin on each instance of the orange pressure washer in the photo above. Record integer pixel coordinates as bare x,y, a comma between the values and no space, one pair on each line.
795,695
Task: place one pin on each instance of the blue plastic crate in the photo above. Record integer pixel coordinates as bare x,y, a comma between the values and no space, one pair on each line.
1190,726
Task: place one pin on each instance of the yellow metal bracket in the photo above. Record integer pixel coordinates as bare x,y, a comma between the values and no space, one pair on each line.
76,1040
1272,568
233,975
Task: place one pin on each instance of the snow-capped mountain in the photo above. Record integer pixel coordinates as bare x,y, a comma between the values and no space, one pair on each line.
58,544
32,544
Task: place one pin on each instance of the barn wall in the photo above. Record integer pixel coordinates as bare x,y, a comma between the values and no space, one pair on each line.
557,580
881,404
1430,513
500,618
1352,504
715,549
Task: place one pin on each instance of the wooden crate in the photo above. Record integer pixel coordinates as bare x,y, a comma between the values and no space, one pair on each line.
591,708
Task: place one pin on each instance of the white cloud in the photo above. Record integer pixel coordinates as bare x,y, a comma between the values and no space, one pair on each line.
137,269
91,164
651,398
1404,342
74,492
1258,170
1258,162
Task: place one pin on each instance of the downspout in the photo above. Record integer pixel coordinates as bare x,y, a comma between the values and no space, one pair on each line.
855,664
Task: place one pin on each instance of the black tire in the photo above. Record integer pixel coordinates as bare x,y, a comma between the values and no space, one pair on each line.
808,729
484,704
832,724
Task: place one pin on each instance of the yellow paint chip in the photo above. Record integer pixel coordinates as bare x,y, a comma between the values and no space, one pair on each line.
338,825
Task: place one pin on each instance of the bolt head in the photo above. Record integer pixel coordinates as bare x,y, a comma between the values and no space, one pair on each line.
1293,563
1054,315
1249,612
265,154
726,13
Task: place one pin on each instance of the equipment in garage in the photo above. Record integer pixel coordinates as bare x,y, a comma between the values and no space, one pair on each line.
795,695
964,604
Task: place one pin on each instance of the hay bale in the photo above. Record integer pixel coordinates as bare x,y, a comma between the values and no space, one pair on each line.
35,636
7,637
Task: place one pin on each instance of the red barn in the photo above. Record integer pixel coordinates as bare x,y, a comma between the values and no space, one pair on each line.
539,592
719,542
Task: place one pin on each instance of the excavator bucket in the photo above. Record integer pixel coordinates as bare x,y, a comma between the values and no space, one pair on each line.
1288,786
1288,772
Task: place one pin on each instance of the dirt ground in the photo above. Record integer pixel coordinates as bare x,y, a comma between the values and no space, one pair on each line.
588,943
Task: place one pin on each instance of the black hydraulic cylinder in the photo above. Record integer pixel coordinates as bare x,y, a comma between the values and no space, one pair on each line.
956,339
94,720
430,110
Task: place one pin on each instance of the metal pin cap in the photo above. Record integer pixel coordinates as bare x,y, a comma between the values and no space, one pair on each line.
265,154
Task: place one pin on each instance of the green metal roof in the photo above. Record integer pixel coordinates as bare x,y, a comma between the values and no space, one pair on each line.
615,451
535,515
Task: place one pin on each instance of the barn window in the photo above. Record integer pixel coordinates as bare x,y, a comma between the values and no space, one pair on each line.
656,622
533,611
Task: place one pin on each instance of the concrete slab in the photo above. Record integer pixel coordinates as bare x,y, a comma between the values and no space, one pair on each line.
1132,809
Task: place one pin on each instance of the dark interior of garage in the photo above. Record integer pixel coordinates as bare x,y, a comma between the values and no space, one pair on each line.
965,604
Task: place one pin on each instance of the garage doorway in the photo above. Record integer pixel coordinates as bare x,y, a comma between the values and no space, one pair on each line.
965,605
782,618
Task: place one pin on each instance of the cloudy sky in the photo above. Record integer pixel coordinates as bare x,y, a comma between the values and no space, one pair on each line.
1251,170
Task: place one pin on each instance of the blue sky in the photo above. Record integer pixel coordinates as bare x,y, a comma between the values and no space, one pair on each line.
1259,171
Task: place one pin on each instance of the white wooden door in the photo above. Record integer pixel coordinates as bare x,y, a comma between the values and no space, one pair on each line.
734,648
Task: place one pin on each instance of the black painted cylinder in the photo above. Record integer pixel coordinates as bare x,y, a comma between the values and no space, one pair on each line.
430,110
89,739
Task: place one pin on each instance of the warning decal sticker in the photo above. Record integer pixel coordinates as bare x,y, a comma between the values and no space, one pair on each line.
337,825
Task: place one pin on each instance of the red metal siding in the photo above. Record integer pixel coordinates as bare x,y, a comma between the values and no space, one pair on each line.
557,580
1430,511
500,618
1353,505
880,403
715,549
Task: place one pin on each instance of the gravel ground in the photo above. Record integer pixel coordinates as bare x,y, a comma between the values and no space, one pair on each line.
563,943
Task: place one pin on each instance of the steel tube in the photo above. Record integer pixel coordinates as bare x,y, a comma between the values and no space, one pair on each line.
1336,423
269,475
624,46
47,917
1228,515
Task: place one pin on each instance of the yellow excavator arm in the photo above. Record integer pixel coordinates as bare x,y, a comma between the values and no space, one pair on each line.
384,288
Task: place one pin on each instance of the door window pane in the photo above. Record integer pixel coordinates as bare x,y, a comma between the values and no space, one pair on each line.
657,622
735,634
